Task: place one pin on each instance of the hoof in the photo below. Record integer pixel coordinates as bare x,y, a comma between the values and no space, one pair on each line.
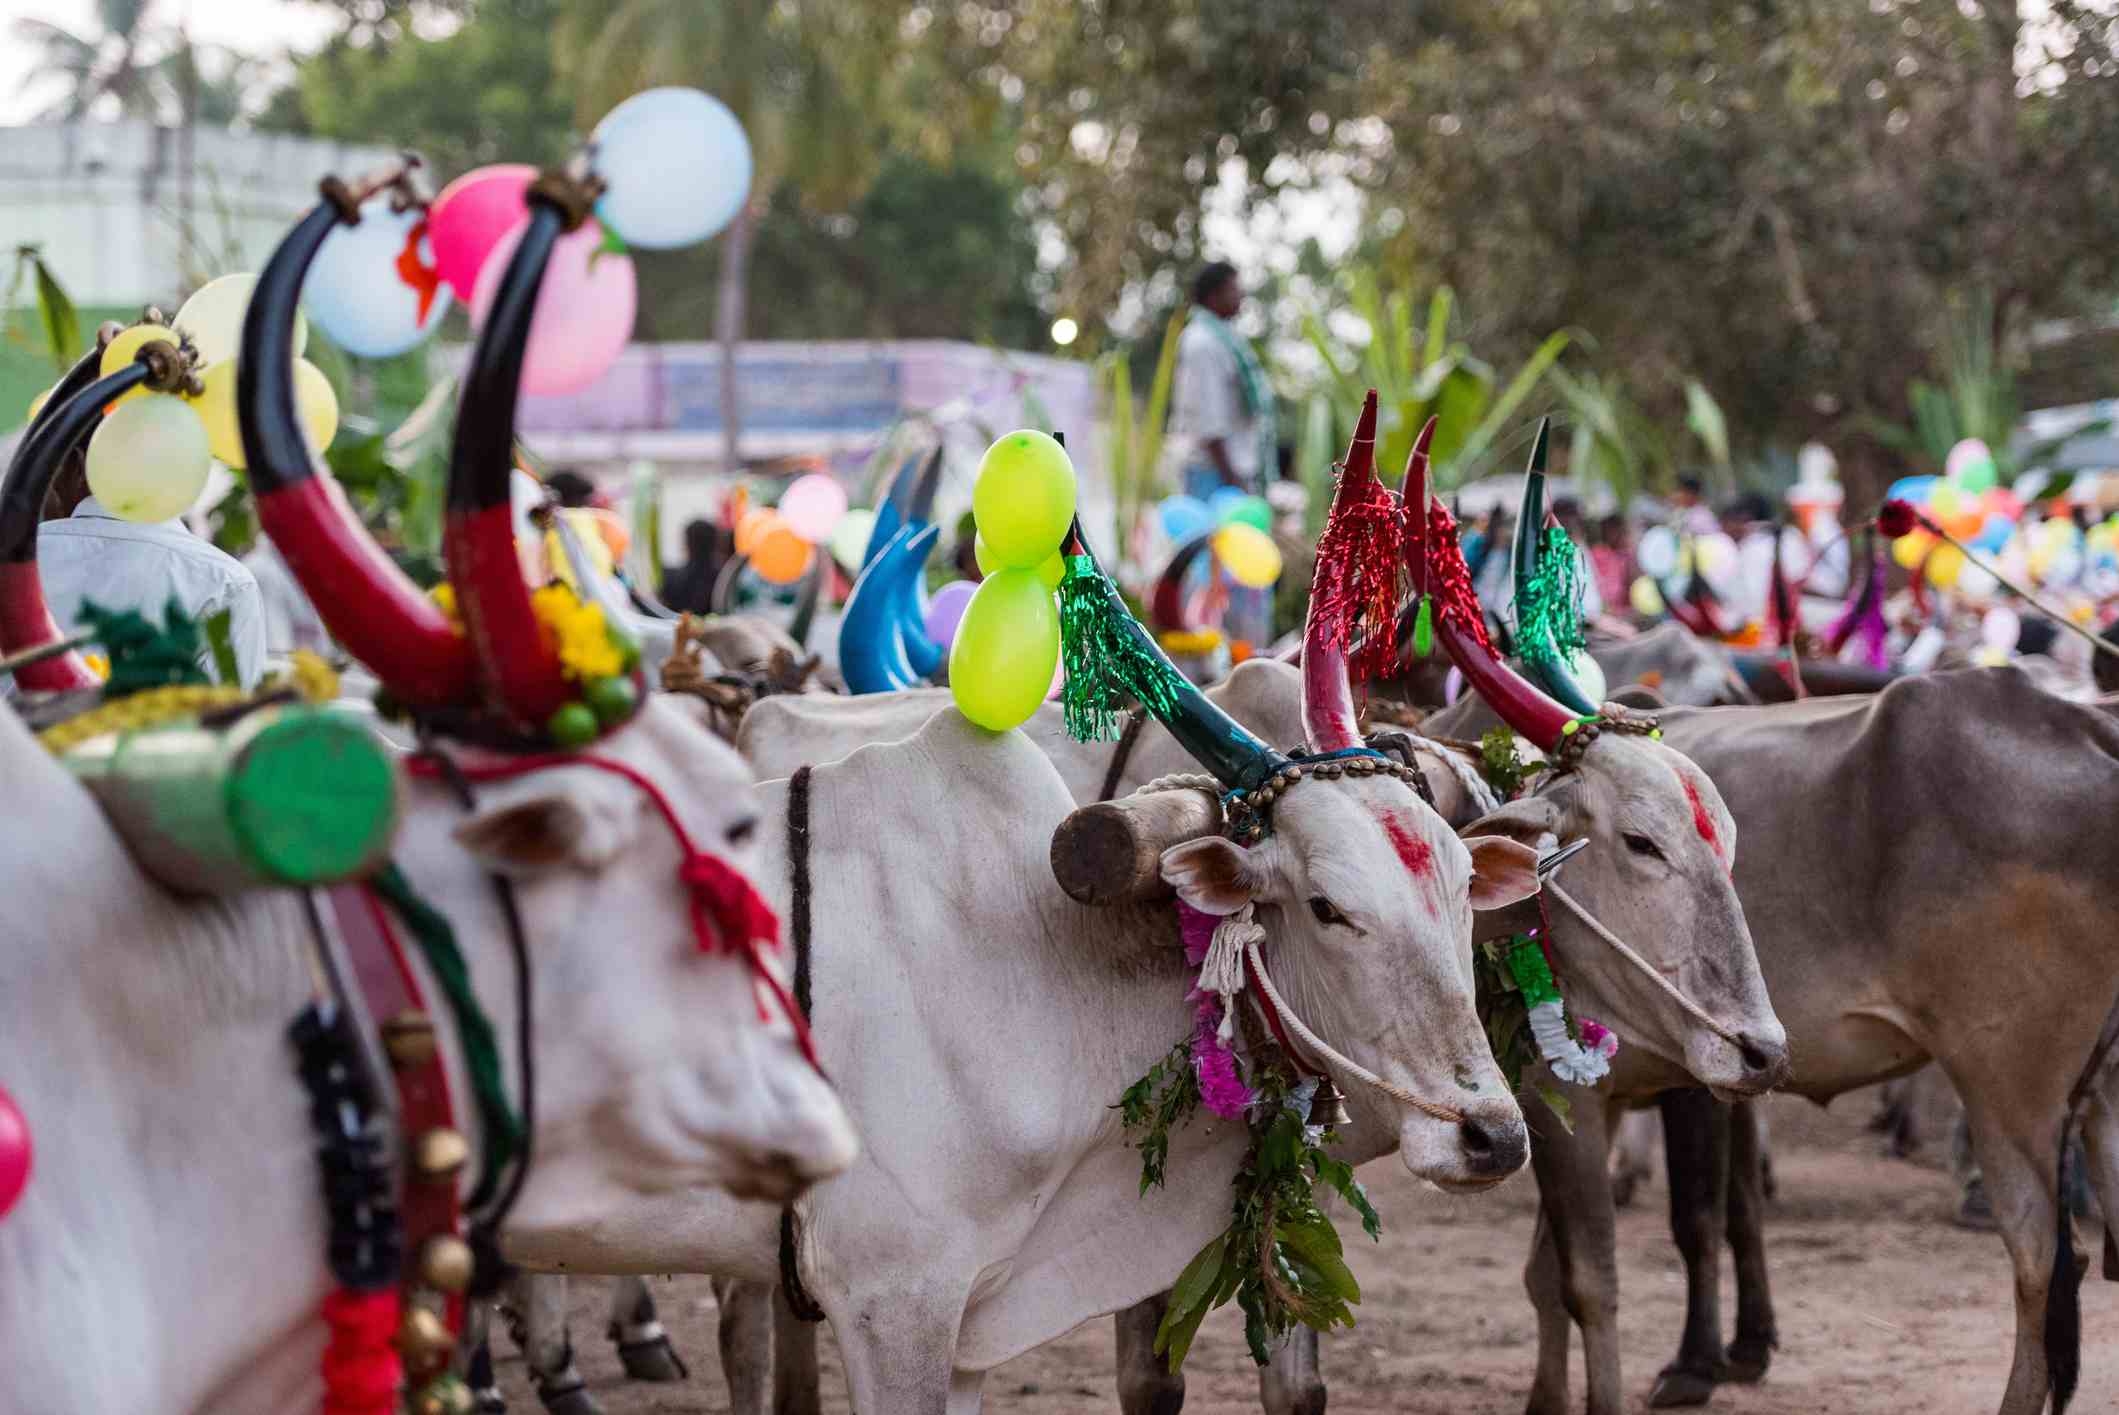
1678,1386
1622,1186
1746,1363
652,1360
489,1401
574,1400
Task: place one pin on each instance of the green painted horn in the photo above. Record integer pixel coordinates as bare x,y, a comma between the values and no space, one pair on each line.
1541,657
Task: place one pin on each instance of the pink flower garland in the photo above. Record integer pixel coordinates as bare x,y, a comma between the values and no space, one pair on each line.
1221,1087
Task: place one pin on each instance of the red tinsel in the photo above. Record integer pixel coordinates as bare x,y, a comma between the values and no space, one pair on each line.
1355,592
1449,579
1897,518
361,1369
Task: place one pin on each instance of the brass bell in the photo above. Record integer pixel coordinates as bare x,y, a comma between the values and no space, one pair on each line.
1328,1105
439,1155
423,1338
409,1038
445,1262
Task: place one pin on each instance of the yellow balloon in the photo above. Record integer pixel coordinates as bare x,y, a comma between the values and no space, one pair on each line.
216,409
1912,548
213,317
36,405
1248,554
316,402
1945,565
1646,599
122,350
149,459
1006,649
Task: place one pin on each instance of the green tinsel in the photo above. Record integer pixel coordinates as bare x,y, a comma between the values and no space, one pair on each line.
1549,605
430,929
1533,975
142,656
1109,658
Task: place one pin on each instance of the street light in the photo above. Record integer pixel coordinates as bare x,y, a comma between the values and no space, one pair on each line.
1064,330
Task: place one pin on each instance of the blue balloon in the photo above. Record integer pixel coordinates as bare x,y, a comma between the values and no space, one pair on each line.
1184,517
1225,500
1917,490
676,165
1994,532
357,291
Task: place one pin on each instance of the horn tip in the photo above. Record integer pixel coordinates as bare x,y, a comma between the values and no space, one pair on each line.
1539,447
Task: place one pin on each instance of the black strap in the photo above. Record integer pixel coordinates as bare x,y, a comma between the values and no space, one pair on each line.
1135,721
799,1300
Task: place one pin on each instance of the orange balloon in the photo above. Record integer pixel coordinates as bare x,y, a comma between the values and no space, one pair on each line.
752,525
617,536
780,556
1965,524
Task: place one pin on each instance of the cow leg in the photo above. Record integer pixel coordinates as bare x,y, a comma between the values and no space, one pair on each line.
478,1367
643,1344
1541,1279
796,1388
967,1392
1633,1155
745,1330
1696,1145
899,1346
537,1304
1574,1192
1292,1381
2100,1144
1146,1385
1756,1333
2019,1154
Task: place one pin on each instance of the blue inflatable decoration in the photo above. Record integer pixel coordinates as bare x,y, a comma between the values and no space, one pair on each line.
873,656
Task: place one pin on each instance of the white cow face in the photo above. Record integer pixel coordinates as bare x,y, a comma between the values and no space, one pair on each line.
1366,897
656,1069
1657,874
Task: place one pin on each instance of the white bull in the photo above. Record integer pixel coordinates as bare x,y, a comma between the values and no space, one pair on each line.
176,1196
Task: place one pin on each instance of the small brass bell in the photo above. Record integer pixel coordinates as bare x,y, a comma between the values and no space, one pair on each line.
1328,1105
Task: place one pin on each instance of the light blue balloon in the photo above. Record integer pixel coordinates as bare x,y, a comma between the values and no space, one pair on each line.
1994,532
1225,500
1916,490
1184,517
356,291
676,165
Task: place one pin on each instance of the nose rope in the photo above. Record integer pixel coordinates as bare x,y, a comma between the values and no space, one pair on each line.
1647,970
1334,1059
726,909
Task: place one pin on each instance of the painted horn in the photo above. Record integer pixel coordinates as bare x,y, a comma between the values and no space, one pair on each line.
25,619
1539,719
372,608
518,666
872,657
1327,692
890,511
809,597
1166,602
1228,750
919,501
1543,661
84,372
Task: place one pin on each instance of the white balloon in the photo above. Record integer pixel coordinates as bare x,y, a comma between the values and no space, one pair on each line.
676,167
213,318
1657,553
1999,628
357,291
149,460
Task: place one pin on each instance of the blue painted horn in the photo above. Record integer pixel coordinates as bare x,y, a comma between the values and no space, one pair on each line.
1543,660
872,656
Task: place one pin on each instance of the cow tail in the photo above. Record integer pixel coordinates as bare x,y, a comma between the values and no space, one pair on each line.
2063,1295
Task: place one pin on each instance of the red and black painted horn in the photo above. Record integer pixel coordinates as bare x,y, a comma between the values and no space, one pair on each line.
369,605
83,373
1327,690
1458,626
518,666
25,619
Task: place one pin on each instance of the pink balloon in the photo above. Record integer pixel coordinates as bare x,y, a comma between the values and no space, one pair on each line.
584,313
812,506
15,1151
471,215
946,610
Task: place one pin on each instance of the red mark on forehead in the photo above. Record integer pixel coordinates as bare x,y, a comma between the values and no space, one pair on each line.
1415,854
1702,818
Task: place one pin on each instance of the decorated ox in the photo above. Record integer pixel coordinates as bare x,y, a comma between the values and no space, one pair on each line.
1920,887
144,1033
1676,664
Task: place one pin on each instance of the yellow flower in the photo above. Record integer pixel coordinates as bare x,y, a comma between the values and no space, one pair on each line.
579,633
1190,641
98,664
445,595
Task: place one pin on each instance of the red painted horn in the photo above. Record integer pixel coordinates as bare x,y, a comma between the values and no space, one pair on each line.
518,665
1327,690
1458,627
370,606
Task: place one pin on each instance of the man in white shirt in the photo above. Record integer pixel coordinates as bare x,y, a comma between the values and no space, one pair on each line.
89,554
1221,414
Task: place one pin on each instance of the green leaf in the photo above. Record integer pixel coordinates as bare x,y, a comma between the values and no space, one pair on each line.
1174,1338
1196,1284
62,325
1340,1175
222,643
1561,1107
1704,416
1280,1152
1316,1245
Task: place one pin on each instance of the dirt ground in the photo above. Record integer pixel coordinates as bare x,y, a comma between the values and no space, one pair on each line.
1884,1306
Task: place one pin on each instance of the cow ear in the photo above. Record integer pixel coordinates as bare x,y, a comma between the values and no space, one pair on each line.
561,817
1504,871
1212,874
1532,820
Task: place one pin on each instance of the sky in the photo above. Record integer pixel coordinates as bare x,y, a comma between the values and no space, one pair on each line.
253,26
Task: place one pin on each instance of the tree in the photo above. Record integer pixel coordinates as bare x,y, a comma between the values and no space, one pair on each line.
115,64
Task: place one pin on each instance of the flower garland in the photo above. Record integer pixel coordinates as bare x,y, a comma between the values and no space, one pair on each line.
592,651
1280,1258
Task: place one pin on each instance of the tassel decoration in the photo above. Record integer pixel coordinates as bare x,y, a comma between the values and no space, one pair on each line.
1570,1060
1549,608
361,1368
1450,580
1356,588
1106,656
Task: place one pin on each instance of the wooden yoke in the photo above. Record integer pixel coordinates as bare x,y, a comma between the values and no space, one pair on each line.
1111,852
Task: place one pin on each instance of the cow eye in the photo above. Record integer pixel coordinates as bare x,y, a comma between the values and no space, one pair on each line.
1642,845
741,832
1324,911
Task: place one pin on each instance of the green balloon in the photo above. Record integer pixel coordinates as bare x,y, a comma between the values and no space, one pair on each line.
1978,476
1051,572
1251,511
1005,651
1023,498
